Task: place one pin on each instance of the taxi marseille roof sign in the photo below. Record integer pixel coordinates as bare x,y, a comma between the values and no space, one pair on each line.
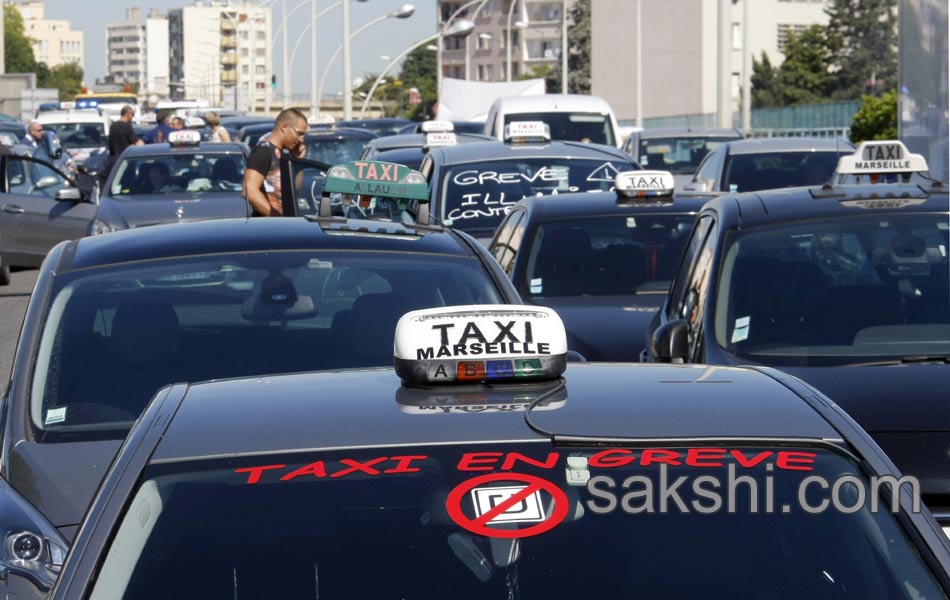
375,178
479,343
644,183
889,156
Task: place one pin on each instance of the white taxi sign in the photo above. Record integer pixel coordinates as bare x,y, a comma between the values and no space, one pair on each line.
479,343
437,126
322,119
644,183
890,156
434,140
523,131
184,137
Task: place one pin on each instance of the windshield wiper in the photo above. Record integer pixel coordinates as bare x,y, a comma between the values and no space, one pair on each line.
904,360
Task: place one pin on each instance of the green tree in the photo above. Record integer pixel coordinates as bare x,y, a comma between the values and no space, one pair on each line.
578,58
862,41
876,119
764,83
17,46
550,75
66,78
803,77
419,71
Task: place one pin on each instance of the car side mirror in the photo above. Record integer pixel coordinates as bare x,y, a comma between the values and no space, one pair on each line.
69,194
48,181
670,342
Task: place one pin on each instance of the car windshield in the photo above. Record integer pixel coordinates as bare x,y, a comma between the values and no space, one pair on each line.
589,127
180,172
79,135
334,151
418,522
837,291
623,254
476,196
678,155
224,316
766,171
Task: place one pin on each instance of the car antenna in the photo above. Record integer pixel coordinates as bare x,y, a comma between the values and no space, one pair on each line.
537,402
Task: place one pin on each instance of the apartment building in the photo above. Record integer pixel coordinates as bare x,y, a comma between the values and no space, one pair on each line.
137,52
56,43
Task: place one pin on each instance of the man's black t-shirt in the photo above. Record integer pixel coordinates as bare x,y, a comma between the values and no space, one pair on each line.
121,136
265,159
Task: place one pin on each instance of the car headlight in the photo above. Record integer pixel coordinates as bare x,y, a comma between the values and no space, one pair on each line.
99,227
32,548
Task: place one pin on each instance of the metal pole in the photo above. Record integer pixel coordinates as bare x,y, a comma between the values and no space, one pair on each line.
314,100
286,56
564,48
746,67
639,67
347,66
438,56
372,90
724,70
511,11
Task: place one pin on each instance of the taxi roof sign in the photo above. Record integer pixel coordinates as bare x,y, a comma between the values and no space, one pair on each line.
184,137
376,178
322,119
437,126
439,138
644,184
888,156
479,344
527,131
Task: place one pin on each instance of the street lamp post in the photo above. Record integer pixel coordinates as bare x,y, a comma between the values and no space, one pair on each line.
511,11
460,28
564,46
468,61
404,12
313,57
438,56
286,57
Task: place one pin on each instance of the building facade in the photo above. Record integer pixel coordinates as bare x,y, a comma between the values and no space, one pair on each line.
56,43
532,28
137,53
680,49
221,52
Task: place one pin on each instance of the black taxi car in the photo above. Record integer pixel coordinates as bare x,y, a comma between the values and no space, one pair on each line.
485,464
846,286
115,317
603,260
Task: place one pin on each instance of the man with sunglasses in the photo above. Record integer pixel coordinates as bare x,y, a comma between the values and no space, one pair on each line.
262,175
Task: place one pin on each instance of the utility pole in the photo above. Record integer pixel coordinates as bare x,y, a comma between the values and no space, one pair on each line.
724,70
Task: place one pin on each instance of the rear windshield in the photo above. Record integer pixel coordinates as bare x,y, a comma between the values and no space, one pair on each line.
753,172
114,336
79,135
623,254
334,151
476,196
182,172
588,127
679,155
511,521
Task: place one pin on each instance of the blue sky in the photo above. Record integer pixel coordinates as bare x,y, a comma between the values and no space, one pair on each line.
390,37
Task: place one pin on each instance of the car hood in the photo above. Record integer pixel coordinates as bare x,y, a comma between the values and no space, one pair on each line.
605,328
60,479
142,211
900,398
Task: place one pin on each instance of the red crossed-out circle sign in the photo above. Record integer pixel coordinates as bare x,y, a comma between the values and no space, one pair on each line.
480,525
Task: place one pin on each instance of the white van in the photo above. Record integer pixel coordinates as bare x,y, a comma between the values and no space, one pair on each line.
571,117
81,131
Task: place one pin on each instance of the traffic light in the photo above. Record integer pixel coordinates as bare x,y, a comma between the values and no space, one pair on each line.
273,81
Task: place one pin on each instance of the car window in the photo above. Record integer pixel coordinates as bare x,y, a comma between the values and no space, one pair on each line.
214,523
693,308
476,196
685,265
753,172
618,255
588,127
333,151
678,155
27,176
79,135
199,172
227,316
837,291
504,251
707,174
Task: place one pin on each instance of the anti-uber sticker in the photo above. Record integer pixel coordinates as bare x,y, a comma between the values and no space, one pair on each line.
507,505
479,343
881,157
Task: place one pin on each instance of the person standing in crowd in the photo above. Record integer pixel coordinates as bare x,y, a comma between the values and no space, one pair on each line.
34,134
178,123
262,175
121,133
159,133
218,133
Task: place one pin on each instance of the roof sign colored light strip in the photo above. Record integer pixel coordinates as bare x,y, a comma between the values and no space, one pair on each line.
523,132
185,137
890,156
375,178
438,127
434,140
480,343
644,184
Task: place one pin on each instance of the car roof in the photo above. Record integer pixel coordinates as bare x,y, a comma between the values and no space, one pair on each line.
588,204
789,144
253,235
416,140
361,408
81,115
794,204
380,121
164,149
497,150
553,102
664,132
340,133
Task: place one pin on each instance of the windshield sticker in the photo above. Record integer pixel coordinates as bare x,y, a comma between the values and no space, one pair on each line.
484,507
536,286
741,331
56,415
631,223
605,172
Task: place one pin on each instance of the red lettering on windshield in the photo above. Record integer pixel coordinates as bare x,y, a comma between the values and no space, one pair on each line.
514,458
745,462
357,466
700,457
787,460
666,457
317,469
612,458
402,464
470,459
256,472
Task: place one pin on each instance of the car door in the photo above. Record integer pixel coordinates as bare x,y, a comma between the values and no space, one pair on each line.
302,185
39,207
706,180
